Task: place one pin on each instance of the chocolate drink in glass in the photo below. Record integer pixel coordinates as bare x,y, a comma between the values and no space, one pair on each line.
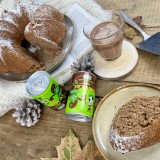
106,39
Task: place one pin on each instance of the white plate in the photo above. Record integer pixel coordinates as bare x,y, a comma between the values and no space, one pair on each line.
106,111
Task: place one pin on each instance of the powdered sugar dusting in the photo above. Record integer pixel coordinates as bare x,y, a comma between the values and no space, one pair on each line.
40,31
9,19
124,144
1,56
33,48
3,28
19,9
6,43
30,6
7,25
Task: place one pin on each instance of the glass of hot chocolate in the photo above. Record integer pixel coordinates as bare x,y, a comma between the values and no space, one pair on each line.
106,37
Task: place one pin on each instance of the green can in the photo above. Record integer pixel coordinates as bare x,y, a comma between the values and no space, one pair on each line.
42,87
80,103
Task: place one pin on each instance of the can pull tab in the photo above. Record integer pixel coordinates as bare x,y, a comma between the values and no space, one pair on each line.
37,83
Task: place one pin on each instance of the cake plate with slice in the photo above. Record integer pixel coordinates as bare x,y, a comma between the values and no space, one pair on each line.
118,68
51,62
104,114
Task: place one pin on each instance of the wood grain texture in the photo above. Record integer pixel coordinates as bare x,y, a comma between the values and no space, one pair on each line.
23,143
40,140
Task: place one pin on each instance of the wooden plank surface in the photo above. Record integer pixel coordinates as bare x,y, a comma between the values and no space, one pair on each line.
40,140
22,143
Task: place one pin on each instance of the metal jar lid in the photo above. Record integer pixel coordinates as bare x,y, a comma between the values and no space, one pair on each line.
37,83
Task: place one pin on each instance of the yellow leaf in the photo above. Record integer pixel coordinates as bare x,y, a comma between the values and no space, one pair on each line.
69,147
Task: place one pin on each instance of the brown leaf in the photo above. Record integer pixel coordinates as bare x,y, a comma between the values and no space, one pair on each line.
136,40
69,147
130,32
90,152
138,21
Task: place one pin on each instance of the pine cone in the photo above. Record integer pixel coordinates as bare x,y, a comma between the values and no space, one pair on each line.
27,113
86,63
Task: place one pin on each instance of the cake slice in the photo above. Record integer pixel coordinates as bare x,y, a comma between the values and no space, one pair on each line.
46,33
136,124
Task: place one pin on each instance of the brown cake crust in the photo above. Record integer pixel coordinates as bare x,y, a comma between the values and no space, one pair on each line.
136,124
52,33
20,56
8,26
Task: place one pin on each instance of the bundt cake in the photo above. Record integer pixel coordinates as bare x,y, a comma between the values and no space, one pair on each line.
136,124
42,27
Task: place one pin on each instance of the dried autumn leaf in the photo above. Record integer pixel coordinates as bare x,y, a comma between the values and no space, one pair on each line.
90,152
136,40
138,21
130,32
69,147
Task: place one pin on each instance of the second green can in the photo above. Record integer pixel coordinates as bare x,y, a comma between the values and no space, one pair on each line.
80,103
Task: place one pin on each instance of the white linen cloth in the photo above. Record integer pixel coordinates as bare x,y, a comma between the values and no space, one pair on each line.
12,93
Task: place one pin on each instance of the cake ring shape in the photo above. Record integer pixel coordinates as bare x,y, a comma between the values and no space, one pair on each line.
13,56
51,62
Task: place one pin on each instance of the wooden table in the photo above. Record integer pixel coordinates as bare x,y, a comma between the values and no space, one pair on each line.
22,143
